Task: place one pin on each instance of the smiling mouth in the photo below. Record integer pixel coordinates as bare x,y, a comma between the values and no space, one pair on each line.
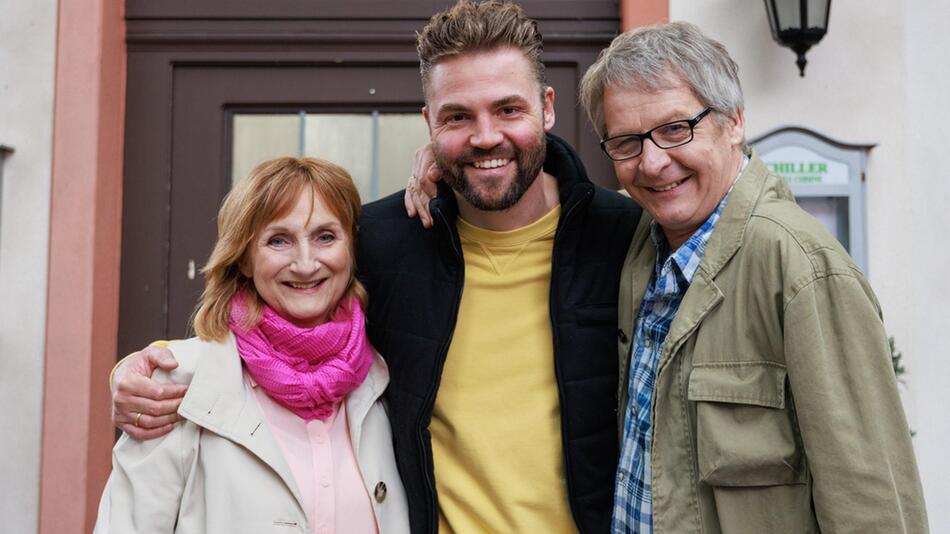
304,285
668,187
490,163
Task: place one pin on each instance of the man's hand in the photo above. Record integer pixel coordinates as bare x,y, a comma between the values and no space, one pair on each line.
142,407
421,187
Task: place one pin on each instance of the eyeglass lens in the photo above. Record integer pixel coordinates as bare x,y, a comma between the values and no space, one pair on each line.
665,136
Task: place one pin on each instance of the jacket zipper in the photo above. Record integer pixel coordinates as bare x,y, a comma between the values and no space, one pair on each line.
430,398
552,311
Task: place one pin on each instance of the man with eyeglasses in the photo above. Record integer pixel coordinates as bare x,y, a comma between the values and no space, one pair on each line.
756,391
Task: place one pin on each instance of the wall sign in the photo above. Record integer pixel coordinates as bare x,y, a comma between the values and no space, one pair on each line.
827,178
800,165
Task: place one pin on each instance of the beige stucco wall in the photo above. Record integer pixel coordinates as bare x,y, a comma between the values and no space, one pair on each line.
926,73
878,76
27,63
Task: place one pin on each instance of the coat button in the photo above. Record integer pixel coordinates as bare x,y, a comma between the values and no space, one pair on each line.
621,335
380,492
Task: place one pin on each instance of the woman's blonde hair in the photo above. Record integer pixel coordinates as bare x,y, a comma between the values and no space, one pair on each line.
269,192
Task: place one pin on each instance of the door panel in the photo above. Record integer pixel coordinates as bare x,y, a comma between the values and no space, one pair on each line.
373,146
197,83
259,136
208,99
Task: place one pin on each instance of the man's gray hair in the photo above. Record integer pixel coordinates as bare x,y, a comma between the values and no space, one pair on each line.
645,59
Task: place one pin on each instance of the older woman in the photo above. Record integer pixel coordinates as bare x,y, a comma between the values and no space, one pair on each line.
284,428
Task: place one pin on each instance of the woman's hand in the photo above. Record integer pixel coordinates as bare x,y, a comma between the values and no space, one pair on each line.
422,185
142,407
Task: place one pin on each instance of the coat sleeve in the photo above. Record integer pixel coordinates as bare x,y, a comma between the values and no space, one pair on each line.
855,435
144,491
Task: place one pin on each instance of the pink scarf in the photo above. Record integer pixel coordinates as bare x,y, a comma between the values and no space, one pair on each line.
306,370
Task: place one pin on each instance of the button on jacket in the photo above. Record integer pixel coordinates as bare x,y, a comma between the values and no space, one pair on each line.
776,407
415,280
221,470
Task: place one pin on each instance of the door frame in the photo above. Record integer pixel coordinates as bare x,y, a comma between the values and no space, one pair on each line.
189,66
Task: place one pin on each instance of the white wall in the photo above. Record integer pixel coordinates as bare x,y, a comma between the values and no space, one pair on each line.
878,76
27,66
927,132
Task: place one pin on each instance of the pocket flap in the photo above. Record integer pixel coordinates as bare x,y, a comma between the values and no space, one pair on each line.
757,383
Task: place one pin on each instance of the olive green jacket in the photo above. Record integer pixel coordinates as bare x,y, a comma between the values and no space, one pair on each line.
775,408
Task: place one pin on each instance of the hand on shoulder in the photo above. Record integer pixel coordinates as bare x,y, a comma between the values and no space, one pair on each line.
143,407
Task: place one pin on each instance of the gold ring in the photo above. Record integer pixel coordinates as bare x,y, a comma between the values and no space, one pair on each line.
137,417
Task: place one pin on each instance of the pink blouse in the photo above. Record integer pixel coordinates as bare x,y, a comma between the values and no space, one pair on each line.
321,457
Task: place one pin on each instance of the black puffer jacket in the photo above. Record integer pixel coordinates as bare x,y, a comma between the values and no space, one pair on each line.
414,277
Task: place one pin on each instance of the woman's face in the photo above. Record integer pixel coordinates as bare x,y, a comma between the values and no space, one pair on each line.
301,263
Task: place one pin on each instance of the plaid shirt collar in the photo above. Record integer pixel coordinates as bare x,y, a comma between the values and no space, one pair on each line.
687,257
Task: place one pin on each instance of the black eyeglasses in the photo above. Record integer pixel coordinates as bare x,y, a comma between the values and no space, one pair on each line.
669,135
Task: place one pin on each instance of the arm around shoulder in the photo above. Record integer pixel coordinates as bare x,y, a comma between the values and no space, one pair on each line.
142,406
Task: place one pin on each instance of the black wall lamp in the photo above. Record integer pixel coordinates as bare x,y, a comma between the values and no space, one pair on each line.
798,24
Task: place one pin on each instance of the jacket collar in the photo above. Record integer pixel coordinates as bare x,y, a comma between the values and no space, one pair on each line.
563,163
704,293
727,237
726,240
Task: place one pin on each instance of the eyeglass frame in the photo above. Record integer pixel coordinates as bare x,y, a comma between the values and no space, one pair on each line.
649,135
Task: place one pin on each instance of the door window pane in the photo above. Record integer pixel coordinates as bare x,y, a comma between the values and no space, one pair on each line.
258,137
345,139
400,134
832,213
375,148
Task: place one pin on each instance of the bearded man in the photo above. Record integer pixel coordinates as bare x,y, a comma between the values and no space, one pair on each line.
499,325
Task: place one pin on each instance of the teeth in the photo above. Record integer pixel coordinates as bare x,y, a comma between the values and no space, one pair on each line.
667,188
490,164
308,285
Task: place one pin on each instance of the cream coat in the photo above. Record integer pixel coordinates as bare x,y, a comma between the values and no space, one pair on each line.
221,471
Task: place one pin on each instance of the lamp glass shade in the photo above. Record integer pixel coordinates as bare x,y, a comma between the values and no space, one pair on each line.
798,24
797,15
818,14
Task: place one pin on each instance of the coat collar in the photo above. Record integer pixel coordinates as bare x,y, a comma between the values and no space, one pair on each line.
219,399
360,400
222,401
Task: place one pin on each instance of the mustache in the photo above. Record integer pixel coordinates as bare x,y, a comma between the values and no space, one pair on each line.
498,152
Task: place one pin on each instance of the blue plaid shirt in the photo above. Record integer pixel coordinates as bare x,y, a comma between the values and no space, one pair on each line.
672,274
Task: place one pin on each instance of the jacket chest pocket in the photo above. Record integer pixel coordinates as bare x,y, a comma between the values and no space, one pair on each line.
744,433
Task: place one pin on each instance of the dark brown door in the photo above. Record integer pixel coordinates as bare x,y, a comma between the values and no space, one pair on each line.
192,74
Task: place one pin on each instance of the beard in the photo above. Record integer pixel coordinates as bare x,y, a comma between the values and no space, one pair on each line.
528,165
